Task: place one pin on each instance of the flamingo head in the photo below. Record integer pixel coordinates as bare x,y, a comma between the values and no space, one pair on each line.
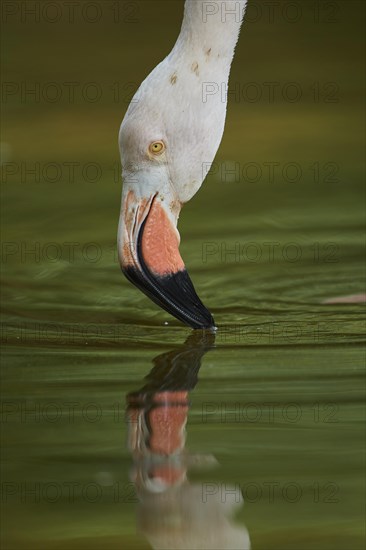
168,140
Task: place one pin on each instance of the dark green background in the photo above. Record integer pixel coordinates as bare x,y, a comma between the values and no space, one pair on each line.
76,330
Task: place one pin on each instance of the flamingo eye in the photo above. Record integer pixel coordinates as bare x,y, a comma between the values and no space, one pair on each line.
157,147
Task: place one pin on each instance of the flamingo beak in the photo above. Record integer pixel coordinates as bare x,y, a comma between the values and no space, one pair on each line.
149,257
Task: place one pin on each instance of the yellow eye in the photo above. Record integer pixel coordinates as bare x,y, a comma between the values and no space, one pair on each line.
157,147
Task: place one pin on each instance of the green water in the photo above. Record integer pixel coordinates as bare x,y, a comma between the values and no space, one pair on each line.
276,418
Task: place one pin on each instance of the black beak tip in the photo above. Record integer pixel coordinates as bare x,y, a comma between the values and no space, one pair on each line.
207,321
174,293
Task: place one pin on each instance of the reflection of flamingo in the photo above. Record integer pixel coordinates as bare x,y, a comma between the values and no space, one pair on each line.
174,512
157,412
168,139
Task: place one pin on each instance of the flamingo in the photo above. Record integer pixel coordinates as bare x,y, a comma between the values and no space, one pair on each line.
171,131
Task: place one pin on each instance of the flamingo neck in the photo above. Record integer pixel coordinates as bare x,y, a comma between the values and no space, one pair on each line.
209,32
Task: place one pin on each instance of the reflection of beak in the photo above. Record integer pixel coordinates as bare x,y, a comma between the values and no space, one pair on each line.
149,256
157,432
157,415
157,424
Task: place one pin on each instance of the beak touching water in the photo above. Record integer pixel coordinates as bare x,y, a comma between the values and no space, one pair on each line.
149,256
